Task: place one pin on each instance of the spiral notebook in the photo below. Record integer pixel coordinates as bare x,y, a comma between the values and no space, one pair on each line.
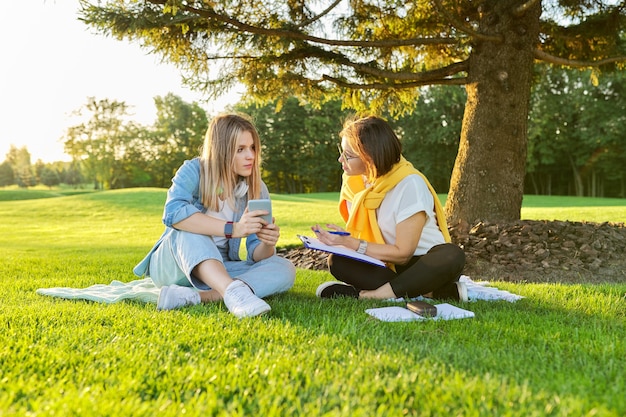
315,244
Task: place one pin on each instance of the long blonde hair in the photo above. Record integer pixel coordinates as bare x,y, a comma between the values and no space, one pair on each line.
218,178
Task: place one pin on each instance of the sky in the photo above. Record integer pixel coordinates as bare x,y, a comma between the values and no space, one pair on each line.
52,63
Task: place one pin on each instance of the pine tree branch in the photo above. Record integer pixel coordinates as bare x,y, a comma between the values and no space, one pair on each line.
290,34
458,24
319,16
371,69
523,8
394,86
438,76
546,57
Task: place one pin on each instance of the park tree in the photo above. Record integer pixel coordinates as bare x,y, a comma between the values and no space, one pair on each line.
49,177
71,174
19,159
101,141
299,145
178,134
576,139
154,153
376,54
430,134
7,177
38,169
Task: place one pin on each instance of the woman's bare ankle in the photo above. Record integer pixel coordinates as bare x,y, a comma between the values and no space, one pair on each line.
210,296
384,292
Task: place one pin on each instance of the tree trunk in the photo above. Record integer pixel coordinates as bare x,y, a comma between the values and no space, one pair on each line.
578,181
533,182
549,187
488,176
594,180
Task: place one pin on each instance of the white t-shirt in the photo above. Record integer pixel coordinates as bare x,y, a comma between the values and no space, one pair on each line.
226,213
409,196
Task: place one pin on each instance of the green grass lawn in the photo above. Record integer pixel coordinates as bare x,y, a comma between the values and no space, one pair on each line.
557,352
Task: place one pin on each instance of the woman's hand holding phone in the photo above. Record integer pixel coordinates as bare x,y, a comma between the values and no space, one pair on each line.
269,232
262,205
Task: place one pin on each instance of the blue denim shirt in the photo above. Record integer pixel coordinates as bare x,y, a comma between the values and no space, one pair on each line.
183,200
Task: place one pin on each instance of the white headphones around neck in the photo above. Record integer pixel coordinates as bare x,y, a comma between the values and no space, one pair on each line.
241,189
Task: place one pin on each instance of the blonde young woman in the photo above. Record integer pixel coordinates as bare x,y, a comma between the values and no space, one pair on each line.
392,213
206,216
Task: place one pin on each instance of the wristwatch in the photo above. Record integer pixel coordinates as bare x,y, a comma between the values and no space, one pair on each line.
362,247
228,230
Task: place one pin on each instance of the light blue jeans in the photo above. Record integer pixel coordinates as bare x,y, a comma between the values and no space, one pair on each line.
180,252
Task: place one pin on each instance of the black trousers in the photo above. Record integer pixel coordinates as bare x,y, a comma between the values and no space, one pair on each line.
442,265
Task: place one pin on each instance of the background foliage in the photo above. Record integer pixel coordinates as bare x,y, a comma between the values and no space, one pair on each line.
577,141
378,55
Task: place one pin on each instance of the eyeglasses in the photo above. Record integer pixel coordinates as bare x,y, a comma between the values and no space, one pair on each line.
342,154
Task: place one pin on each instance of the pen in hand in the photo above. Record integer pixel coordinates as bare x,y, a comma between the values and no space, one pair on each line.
334,232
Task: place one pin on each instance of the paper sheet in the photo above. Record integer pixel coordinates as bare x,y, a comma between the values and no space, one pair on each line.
445,311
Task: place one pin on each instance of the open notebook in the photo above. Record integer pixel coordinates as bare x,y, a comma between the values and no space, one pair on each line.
313,243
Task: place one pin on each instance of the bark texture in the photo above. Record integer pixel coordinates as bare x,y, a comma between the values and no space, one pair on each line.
488,177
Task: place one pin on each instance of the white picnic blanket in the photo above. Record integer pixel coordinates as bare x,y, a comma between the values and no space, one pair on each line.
482,290
138,290
145,290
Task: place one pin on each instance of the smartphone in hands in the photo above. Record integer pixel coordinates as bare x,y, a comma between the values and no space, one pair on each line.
263,204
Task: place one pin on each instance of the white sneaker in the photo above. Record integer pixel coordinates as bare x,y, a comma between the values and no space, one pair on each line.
175,296
241,301
462,287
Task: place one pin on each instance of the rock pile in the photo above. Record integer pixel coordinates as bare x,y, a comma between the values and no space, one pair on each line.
527,250
305,258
